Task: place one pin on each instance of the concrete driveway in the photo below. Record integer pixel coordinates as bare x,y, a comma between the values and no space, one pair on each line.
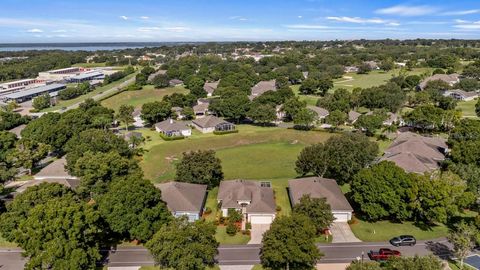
256,233
342,233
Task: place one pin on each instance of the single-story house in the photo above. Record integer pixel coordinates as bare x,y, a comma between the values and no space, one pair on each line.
416,153
175,82
184,199
210,87
212,123
138,121
372,65
158,72
450,79
253,198
201,110
318,187
319,111
178,111
353,116
172,128
461,94
262,87
350,69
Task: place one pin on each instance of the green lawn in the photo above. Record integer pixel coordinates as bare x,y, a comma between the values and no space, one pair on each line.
310,99
212,204
223,238
385,230
158,268
373,78
98,90
261,158
139,97
5,243
257,267
467,108
89,65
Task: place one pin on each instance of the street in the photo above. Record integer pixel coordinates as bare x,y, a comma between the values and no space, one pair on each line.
249,254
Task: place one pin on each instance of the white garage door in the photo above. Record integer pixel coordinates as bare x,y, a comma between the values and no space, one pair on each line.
257,219
340,217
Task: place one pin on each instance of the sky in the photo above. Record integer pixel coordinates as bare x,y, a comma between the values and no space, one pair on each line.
32,21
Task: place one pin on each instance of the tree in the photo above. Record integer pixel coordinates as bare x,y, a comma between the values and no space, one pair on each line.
304,118
94,140
370,122
309,86
195,84
292,106
233,105
367,265
133,208
477,108
340,157
41,102
336,118
382,191
262,113
156,111
125,115
425,117
436,85
28,153
184,245
289,244
317,210
10,120
364,69
468,84
429,262
161,81
463,240
96,170
387,65
199,167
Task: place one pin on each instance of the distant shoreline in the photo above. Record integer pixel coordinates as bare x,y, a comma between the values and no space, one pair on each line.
86,46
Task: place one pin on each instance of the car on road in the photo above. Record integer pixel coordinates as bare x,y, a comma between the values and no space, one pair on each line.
383,254
403,240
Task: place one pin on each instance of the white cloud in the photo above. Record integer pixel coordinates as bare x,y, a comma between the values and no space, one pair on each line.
461,12
469,26
148,29
35,30
393,24
144,17
357,20
299,16
402,10
460,21
177,29
306,26
238,18
124,18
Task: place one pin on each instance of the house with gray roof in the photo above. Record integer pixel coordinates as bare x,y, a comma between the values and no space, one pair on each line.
393,118
353,116
201,110
318,187
450,79
184,199
210,87
212,123
319,111
254,199
416,153
172,128
262,87
461,94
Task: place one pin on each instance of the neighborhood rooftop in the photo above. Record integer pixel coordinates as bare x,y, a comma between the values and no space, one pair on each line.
183,196
261,198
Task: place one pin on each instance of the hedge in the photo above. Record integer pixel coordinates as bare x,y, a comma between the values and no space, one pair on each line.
171,138
218,132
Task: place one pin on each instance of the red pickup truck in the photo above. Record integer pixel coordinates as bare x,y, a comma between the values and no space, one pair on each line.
383,254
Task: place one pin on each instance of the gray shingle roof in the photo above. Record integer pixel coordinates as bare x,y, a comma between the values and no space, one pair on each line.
171,125
261,198
353,116
321,112
263,86
54,170
183,196
318,187
448,78
208,121
210,87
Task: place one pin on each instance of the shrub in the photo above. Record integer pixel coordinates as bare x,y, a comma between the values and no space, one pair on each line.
172,138
221,220
208,210
217,132
234,215
279,208
231,229
248,226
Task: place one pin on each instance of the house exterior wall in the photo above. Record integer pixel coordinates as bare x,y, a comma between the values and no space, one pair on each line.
258,218
186,132
192,216
204,130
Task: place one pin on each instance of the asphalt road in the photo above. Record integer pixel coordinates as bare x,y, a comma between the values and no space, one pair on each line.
249,254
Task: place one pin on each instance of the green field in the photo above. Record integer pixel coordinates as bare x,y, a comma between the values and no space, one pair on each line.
467,108
253,153
98,90
386,230
139,97
89,65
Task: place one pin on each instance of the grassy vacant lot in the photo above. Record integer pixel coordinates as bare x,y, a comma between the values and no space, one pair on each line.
98,90
139,97
385,230
467,108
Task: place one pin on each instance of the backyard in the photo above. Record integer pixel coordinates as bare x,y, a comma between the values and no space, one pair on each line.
467,108
139,97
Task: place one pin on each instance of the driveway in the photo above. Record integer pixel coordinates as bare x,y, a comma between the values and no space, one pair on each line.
256,233
342,233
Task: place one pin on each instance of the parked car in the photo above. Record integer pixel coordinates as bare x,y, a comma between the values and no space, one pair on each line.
383,254
403,240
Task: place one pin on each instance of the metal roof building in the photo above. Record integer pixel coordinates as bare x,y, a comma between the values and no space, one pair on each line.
34,92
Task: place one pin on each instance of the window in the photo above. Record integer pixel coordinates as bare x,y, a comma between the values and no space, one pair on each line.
265,184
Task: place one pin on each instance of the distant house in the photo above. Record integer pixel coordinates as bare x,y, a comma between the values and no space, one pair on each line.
210,87
254,199
372,65
461,95
132,134
175,82
138,121
416,153
184,199
353,116
280,114
262,87
392,119
158,72
350,69
318,187
450,79
319,111
212,123
178,112
201,110
172,128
